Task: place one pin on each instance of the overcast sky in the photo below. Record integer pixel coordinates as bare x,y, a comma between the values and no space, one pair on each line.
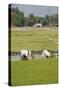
37,10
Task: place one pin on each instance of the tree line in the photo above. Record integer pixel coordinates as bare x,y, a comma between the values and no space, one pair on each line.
18,19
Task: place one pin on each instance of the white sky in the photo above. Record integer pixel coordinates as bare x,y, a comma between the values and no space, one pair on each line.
37,10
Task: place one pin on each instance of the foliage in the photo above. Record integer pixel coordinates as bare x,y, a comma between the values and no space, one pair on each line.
31,20
18,19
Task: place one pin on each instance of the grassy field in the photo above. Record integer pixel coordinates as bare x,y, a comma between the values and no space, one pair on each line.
34,39
34,72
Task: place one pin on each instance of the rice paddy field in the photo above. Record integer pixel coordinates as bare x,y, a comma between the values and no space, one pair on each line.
35,39
36,71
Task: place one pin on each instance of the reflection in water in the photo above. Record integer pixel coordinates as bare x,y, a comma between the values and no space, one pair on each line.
17,57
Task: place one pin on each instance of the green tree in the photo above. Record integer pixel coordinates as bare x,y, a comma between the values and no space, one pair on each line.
47,19
39,19
17,17
44,22
54,20
26,21
31,20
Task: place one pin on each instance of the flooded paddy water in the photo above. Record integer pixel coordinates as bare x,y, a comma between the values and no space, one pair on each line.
16,56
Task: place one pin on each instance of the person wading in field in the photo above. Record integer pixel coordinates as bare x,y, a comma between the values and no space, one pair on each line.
26,54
